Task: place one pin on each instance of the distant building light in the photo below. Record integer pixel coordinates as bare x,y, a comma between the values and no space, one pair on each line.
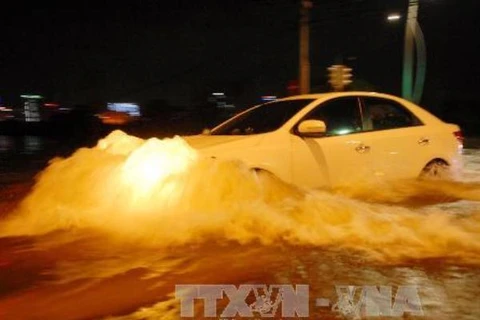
51,105
32,110
114,117
393,17
6,109
269,98
130,108
31,96
224,105
218,94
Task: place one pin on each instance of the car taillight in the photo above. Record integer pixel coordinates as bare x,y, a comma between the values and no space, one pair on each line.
459,135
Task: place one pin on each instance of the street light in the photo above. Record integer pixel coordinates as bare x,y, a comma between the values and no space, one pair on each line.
393,17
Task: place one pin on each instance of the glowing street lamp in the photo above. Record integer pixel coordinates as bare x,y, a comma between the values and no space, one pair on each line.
393,17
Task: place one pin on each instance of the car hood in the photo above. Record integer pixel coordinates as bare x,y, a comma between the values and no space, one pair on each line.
202,141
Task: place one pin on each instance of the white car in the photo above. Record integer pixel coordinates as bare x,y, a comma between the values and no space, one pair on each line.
335,139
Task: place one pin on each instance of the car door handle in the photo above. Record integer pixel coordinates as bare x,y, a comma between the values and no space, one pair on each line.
362,148
423,141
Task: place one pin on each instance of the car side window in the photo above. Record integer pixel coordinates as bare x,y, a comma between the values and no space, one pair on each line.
264,118
341,116
383,114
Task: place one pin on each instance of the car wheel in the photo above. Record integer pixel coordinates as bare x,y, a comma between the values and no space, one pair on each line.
265,177
436,169
260,173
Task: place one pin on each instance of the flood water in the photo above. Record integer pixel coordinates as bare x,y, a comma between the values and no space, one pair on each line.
107,233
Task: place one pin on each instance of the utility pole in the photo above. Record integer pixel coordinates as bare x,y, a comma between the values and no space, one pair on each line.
304,61
413,33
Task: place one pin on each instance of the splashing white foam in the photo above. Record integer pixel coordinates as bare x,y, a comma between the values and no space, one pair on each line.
162,192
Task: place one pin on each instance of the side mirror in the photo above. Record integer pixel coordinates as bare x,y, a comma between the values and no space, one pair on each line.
312,128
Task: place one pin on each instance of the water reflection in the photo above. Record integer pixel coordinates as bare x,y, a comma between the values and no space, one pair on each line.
33,144
7,144
23,156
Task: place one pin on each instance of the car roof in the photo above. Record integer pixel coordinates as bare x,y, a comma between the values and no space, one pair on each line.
341,94
420,112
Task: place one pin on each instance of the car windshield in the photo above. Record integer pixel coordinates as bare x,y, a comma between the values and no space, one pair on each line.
263,118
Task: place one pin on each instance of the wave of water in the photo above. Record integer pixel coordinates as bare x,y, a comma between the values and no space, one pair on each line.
161,193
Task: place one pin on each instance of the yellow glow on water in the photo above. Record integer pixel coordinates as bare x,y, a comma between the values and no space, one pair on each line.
154,161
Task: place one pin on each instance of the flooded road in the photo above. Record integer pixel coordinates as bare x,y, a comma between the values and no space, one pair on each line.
108,234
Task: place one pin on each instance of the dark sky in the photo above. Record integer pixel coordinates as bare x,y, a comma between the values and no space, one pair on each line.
90,52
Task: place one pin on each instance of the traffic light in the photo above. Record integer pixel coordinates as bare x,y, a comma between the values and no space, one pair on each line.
339,76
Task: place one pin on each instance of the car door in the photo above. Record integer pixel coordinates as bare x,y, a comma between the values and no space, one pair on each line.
341,155
399,140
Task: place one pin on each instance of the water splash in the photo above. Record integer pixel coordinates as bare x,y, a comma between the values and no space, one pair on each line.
414,193
163,193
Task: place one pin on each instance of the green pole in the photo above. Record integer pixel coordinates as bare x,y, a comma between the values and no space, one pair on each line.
407,76
412,83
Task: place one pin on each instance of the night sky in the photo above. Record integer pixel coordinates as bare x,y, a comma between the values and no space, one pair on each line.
91,52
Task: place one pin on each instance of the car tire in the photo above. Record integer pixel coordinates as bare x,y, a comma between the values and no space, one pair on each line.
260,173
436,169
